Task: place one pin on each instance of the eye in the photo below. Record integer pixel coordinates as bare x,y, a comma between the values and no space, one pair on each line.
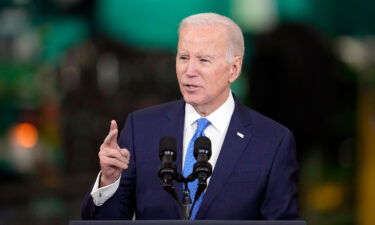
183,57
204,60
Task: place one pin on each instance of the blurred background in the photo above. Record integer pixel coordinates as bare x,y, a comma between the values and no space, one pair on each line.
67,67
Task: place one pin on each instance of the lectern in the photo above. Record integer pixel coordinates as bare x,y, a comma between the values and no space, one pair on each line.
187,222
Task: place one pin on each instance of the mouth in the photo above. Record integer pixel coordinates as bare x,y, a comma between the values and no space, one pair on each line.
191,87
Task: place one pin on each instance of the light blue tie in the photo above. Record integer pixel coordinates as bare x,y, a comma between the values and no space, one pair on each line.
202,123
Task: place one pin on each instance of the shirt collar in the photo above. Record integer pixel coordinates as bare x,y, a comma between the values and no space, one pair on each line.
220,118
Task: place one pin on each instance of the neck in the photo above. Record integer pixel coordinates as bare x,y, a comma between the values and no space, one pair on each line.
206,110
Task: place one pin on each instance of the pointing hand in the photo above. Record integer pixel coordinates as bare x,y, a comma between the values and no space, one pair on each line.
113,159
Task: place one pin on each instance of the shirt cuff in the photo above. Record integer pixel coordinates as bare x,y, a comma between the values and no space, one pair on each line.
101,195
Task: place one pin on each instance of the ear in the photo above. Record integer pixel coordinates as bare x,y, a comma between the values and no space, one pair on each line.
235,69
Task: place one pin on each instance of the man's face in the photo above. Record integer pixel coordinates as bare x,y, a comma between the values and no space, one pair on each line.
203,73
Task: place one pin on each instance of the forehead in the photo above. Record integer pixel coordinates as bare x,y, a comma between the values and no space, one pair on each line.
201,38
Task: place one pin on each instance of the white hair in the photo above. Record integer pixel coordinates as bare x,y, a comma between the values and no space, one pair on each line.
236,46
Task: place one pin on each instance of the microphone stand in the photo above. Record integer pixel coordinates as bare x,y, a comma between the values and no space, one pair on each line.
186,202
186,199
168,172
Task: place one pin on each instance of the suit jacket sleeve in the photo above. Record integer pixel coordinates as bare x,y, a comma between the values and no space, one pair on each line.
122,204
280,197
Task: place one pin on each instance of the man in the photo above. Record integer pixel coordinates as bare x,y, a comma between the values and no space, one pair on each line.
253,157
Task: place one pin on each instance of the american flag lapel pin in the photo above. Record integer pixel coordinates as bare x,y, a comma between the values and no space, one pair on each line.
240,135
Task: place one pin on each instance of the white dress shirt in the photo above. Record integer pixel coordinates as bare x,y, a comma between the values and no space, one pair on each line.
216,131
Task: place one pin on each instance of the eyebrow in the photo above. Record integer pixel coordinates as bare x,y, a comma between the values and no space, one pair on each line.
179,53
206,56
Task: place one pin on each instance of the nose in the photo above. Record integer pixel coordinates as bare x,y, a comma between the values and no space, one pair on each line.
191,68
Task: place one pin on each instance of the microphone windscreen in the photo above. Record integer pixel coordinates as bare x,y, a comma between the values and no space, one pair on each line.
202,142
167,144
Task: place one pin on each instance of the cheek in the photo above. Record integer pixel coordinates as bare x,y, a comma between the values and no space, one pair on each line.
179,72
178,65
220,78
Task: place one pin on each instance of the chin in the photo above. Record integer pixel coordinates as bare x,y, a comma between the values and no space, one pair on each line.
192,100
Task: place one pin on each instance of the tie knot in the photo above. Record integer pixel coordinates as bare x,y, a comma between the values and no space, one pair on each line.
202,123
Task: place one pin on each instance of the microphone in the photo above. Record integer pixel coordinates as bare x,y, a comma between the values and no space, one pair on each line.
202,168
168,169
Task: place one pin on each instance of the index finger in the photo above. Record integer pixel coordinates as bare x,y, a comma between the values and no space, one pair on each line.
111,138
113,125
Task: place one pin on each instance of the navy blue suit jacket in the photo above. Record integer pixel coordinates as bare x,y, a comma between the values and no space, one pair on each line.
254,177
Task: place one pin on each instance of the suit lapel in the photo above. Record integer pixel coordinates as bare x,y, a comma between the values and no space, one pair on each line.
174,127
236,140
